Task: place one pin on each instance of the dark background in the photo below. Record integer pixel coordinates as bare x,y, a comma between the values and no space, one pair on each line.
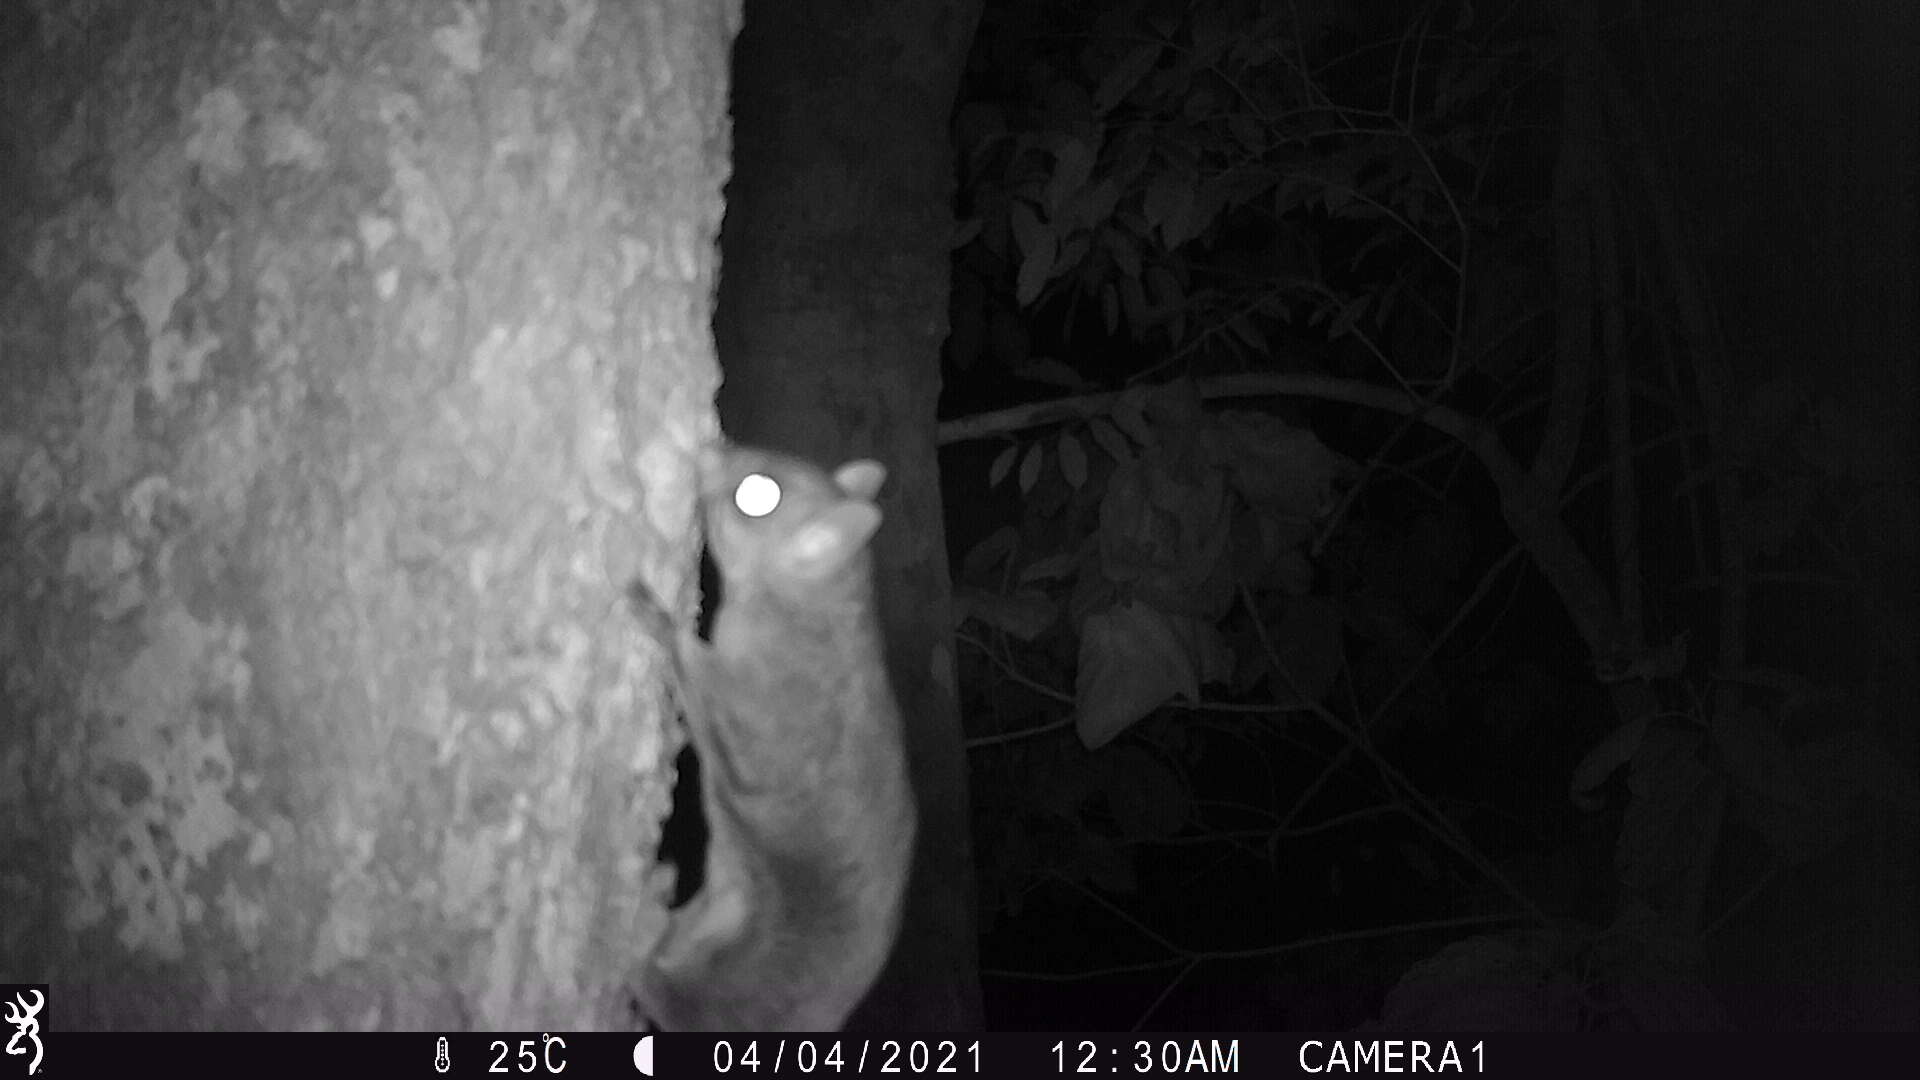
1621,241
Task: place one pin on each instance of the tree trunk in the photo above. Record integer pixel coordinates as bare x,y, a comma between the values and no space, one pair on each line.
350,351
832,310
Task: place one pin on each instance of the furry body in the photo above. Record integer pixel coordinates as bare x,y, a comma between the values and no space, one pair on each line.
805,791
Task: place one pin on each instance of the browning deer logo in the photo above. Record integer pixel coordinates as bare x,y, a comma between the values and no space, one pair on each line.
24,1019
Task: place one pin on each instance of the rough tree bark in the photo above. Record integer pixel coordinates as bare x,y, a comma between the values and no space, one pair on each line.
348,353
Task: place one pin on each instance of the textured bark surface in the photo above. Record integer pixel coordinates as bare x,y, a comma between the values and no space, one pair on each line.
348,348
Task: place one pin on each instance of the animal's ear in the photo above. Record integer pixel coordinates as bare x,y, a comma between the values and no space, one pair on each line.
828,540
861,479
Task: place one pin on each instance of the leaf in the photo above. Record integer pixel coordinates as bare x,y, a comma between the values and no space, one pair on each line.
1671,796
1169,206
1024,617
1129,412
1244,329
1284,470
987,554
1030,469
1093,206
1110,439
1133,659
1774,796
1125,74
1052,566
1660,985
1028,232
1487,983
1002,462
1035,269
1073,164
1073,462
1071,255
1208,204
964,232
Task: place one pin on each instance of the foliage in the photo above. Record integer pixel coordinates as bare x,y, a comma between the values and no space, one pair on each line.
1158,198
1155,180
1174,170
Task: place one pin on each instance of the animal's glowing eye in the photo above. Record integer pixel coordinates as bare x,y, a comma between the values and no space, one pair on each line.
757,495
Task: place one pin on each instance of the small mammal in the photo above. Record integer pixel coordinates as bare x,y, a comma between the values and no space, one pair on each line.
809,810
